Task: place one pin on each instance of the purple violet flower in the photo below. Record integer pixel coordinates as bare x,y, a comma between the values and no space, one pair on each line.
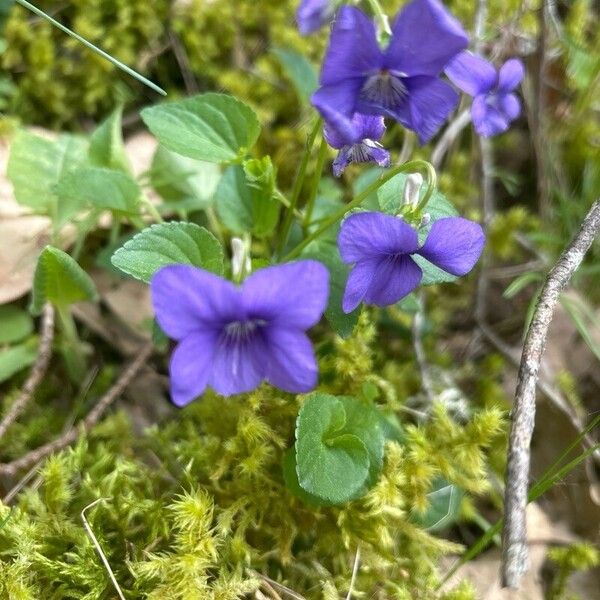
401,81
231,338
314,14
495,105
380,246
357,139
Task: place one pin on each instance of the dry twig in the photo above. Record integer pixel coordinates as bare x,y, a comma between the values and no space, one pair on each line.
37,372
92,536
87,424
515,550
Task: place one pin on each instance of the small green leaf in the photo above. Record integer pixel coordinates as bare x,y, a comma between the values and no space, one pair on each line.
106,144
339,447
211,127
326,251
431,273
37,164
363,181
365,422
521,283
300,71
15,324
60,280
188,182
169,244
15,359
290,477
244,206
104,189
444,506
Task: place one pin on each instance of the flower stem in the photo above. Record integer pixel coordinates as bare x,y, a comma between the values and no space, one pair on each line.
381,17
409,166
310,205
152,210
71,348
298,183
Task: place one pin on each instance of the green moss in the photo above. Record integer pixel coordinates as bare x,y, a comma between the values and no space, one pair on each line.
194,506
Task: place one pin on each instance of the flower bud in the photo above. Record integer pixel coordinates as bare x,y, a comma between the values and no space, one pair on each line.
412,190
241,264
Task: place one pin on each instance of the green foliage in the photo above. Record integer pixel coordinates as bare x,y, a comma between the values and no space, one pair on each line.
60,280
186,184
245,205
106,144
339,447
15,324
37,164
16,358
300,71
100,188
210,127
444,506
168,244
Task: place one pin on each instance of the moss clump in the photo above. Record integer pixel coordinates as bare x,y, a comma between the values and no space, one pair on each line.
196,506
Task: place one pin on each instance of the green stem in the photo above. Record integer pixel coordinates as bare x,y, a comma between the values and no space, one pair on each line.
279,196
310,205
298,183
409,166
214,224
152,210
115,231
90,46
72,350
384,22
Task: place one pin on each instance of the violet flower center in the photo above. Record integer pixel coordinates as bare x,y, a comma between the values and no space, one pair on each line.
385,88
239,331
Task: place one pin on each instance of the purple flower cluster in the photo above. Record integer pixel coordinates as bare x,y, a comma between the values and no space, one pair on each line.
495,105
402,80
232,338
381,248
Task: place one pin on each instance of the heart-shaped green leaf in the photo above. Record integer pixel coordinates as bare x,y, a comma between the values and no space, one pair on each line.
169,244
339,447
211,127
444,506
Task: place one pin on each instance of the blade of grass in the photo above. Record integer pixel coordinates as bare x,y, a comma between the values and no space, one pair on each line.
89,45
552,475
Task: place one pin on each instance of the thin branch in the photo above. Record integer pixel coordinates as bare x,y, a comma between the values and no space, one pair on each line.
98,547
37,372
515,551
87,424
